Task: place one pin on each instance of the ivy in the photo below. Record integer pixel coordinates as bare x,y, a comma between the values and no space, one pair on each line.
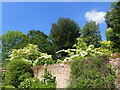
92,72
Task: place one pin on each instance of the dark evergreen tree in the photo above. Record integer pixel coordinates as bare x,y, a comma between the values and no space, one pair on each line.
113,22
64,33
91,34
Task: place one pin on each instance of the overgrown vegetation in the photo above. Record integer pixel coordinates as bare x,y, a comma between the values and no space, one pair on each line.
66,43
31,54
92,73
48,81
82,50
17,71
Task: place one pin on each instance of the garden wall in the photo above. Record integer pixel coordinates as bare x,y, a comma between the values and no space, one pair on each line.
115,61
62,72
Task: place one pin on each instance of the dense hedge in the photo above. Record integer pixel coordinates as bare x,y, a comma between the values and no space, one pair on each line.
94,72
17,71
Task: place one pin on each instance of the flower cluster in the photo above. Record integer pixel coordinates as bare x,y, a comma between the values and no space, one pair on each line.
82,50
31,54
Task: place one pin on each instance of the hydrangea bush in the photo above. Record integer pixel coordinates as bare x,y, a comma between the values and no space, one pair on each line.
82,50
31,54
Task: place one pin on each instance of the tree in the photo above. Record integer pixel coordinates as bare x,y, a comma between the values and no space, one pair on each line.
9,42
64,33
91,34
110,34
113,21
40,39
106,44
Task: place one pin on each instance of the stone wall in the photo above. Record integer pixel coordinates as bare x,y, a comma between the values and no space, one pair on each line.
61,71
115,61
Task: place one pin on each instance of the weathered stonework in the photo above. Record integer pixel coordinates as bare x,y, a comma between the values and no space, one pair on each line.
61,71
115,61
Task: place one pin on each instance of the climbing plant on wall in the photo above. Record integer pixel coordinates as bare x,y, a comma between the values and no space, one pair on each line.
92,73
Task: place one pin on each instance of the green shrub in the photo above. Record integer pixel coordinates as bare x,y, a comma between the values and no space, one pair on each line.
2,77
92,72
24,76
48,78
48,81
15,70
34,83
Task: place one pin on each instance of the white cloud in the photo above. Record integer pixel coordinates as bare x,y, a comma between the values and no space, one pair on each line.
93,15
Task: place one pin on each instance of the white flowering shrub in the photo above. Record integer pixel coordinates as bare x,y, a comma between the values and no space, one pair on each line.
45,59
32,83
48,81
82,50
31,54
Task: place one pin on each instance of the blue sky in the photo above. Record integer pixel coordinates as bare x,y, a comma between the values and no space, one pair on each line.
25,16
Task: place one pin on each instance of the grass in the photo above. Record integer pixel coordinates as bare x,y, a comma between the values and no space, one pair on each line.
7,86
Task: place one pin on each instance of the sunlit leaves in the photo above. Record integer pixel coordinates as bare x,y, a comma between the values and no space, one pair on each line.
82,50
31,54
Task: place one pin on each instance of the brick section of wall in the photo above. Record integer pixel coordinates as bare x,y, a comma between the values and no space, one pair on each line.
61,71
116,63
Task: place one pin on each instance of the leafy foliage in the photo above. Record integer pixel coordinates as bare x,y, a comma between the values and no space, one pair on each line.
47,77
44,59
64,33
110,34
82,50
31,54
38,38
91,34
92,73
48,81
106,44
10,41
113,21
24,76
15,72
34,83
